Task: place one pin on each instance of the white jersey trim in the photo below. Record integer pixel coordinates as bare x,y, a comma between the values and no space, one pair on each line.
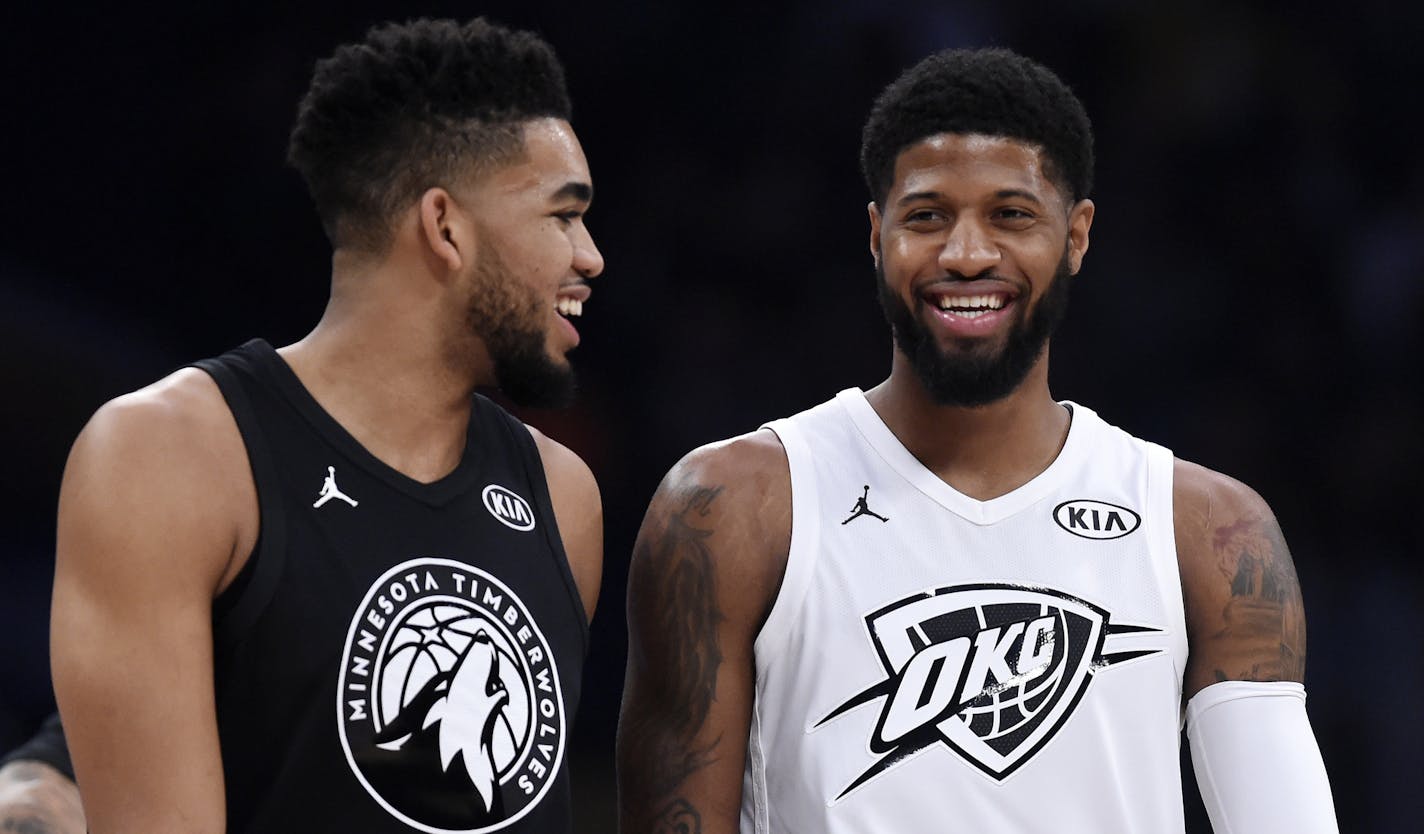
982,513
795,583
805,537
1161,465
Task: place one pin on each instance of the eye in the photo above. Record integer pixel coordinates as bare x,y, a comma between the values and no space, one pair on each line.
1014,217
924,217
569,216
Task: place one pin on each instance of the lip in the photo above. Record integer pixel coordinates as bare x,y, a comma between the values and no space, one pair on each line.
578,291
575,291
979,326
569,331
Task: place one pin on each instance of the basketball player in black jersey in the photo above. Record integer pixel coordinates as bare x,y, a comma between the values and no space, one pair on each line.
270,564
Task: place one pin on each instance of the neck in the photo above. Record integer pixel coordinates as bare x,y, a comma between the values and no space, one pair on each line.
380,362
982,451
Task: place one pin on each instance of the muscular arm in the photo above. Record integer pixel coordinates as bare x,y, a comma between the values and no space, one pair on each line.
1245,619
706,567
578,508
147,536
1255,756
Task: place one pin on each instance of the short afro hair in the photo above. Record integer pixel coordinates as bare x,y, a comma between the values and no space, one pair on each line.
413,106
994,92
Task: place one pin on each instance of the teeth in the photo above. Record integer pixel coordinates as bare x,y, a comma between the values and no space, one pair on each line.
569,307
981,303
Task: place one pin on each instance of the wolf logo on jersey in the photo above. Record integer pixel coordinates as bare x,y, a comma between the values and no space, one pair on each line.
450,709
991,671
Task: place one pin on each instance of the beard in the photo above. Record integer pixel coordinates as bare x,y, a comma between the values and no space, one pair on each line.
510,318
976,376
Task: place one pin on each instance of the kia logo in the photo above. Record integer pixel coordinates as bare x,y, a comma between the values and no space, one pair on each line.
1096,519
509,508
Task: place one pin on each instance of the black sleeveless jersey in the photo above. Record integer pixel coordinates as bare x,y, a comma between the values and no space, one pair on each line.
395,656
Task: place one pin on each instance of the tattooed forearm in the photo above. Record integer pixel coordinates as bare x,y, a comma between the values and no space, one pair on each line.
679,817
674,654
1264,617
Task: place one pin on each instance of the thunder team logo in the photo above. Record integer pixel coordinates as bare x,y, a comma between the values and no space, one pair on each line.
990,671
449,706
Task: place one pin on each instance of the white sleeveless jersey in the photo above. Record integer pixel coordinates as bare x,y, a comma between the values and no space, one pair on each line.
937,663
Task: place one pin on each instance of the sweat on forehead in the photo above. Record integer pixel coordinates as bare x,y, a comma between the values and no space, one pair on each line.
993,92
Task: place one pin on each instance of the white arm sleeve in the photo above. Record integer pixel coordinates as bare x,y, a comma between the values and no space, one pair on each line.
1257,763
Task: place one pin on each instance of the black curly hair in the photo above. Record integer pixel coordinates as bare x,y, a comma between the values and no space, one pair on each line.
412,106
994,92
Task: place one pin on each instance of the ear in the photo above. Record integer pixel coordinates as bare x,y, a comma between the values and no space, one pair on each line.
444,229
1080,220
874,212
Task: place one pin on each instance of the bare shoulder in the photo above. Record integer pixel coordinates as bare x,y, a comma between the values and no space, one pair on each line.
578,509
1245,617
563,468
168,455
178,420
750,477
706,569
755,460
156,511
731,502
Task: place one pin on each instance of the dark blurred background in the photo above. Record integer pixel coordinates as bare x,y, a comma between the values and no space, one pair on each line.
1254,297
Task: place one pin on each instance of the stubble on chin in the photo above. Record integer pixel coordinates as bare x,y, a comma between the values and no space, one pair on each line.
973,375
509,319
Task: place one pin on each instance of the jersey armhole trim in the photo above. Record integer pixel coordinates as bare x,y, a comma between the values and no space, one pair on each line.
237,609
801,558
1163,542
534,470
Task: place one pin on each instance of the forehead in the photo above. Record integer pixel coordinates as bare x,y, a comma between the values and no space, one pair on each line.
552,159
959,162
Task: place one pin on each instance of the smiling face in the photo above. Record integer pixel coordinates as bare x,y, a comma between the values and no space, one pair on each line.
533,258
974,248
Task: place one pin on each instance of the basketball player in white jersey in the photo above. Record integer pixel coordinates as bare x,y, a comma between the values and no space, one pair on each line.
953,603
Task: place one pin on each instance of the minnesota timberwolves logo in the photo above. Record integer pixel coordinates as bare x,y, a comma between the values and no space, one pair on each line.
990,671
449,704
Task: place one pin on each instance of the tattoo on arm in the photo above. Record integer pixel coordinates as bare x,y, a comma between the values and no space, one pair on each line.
678,817
1264,615
674,588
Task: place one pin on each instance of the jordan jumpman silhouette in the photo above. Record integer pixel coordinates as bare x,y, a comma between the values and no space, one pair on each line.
329,490
862,507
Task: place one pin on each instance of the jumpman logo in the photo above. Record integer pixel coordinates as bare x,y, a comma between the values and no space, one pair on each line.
863,508
329,490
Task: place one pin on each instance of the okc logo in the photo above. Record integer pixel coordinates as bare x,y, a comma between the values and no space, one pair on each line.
990,671
449,706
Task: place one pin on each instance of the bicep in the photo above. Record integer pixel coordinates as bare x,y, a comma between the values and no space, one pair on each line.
138,557
1245,616
693,612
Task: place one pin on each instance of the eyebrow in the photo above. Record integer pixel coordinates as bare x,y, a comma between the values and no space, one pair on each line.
1001,194
1017,193
580,191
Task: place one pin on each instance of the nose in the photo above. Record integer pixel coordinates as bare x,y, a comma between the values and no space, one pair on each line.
588,261
969,250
